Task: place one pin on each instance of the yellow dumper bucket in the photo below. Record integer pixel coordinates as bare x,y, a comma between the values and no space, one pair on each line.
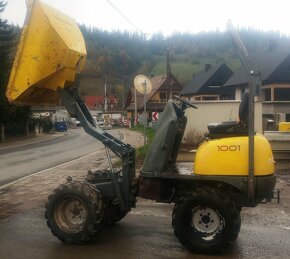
50,53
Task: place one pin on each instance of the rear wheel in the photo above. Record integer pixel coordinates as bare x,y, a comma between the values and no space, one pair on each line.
206,220
74,212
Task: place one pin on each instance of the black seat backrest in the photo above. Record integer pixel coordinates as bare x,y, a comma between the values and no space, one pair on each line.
163,150
244,108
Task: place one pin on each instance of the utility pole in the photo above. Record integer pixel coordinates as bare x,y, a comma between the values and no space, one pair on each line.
145,115
123,104
169,77
106,100
135,119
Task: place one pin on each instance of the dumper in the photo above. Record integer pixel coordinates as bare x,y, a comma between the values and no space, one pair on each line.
206,216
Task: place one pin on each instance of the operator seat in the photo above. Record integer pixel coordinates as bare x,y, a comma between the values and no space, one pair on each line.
232,128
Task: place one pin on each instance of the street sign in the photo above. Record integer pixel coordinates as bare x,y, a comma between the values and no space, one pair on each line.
155,116
126,122
136,120
144,86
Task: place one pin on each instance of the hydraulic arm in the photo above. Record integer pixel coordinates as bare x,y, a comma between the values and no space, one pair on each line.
121,180
78,109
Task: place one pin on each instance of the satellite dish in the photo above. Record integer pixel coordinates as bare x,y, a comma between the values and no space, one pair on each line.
142,84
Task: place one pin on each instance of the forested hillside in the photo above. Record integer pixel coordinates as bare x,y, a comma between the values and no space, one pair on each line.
113,56
116,56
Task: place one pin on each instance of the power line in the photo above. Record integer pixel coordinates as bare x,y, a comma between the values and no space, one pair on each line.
127,19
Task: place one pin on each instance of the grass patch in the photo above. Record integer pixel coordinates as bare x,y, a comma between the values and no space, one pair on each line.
141,151
185,67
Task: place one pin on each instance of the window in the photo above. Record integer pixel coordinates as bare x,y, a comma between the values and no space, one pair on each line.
267,95
282,94
163,96
205,98
153,101
210,98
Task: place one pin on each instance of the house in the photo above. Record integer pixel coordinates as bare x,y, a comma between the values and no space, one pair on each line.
274,66
163,87
207,84
95,102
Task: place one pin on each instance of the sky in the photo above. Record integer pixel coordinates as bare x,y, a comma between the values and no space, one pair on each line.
154,16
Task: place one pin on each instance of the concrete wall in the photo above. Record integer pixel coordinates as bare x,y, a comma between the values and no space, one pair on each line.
216,111
276,107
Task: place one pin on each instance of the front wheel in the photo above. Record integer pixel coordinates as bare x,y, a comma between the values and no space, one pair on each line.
205,220
74,212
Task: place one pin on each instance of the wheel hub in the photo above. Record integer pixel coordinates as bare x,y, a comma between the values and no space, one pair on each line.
71,215
205,219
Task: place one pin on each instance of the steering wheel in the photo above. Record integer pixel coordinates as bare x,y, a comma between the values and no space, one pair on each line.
185,102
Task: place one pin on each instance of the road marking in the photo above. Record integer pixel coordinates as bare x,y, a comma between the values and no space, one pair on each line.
51,168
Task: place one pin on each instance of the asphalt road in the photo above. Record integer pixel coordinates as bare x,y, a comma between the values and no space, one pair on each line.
21,161
146,232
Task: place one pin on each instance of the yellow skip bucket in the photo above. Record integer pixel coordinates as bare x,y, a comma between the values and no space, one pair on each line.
50,53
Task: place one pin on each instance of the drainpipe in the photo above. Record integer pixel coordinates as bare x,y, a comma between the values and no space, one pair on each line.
27,129
2,133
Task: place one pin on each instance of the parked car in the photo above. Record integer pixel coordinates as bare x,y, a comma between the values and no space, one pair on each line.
75,122
60,126
103,124
106,126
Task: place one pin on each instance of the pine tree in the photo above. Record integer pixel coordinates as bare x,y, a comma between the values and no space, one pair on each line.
5,45
9,114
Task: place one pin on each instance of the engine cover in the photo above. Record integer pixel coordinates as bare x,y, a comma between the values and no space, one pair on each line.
229,156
